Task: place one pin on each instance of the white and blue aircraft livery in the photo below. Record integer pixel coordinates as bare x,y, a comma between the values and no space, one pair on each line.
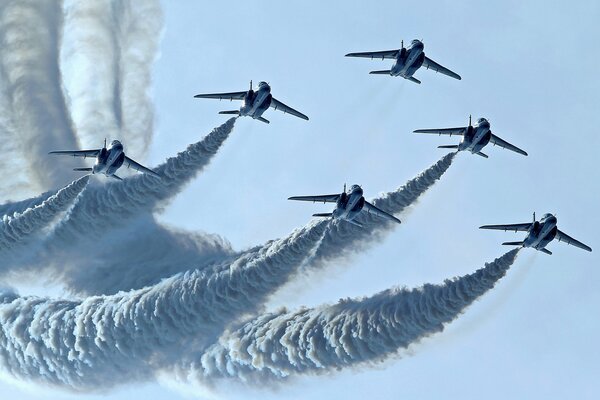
349,204
254,103
108,161
540,233
474,138
408,61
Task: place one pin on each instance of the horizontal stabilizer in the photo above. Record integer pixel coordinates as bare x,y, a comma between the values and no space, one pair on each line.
82,169
448,146
545,251
413,79
233,112
382,72
482,154
326,215
261,119
513,243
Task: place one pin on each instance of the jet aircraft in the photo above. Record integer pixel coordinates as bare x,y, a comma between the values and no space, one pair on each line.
108,160
349,204
407,61
254,103
474,138
539,234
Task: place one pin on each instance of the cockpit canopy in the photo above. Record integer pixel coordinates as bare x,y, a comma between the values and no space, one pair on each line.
482,121
116,144
546,216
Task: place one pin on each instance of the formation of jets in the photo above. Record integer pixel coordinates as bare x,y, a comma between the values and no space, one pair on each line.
351,203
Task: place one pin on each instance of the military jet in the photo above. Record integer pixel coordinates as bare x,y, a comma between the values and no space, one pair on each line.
407,61
474,138
254,103
349,204
540,233
108,161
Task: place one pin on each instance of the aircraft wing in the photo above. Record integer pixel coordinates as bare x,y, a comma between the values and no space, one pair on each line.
221,96
510,227
392,54
430,64
503,143
563,237
139,167
371,209
77,153
443,131
276,104
326,198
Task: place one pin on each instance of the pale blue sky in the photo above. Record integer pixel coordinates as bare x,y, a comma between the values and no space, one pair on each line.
531,68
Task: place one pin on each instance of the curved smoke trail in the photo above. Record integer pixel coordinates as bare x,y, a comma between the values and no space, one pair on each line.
352,332
29,33
344,239
104,207
107,340
14,229
22,205
140,25
89,61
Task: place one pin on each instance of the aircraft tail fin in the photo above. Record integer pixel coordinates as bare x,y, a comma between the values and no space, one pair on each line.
83,169
482,154
448,146
413,79
261,119
326,215
545,251
233,112
382,72
513,243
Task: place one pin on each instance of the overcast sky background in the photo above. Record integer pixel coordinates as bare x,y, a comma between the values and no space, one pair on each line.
531,68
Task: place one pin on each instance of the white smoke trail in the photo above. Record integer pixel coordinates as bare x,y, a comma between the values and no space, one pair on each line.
140,25
106,340
89,61
29,33
344,239
350,333
77,273
14,229
105,207
22,205
141,254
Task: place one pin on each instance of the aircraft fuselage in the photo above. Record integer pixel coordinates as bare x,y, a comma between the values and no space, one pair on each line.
255,103
350,204
110,159
409,60
541,232
476,137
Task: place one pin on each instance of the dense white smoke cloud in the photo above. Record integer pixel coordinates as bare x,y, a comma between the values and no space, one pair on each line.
349,333
107,340
106,61
30,33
